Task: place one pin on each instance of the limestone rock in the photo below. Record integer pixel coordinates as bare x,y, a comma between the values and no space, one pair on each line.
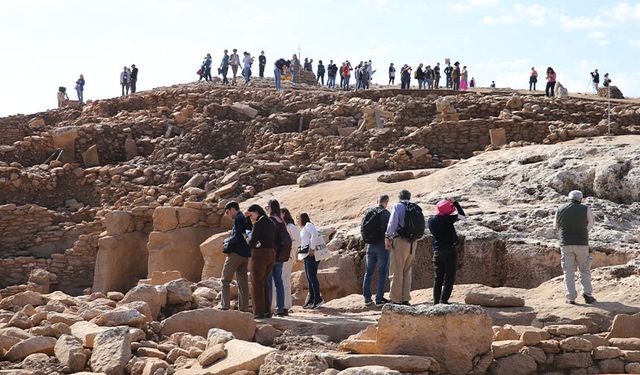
178,249
369,370
86,332
38,344
624,326
217,336
576,344
145,293
402,363
282,363
70,353
515,364
632,368
178,291
626,343
213,256
211,355
121,316
91,158
572,360
607,352
241,355
493,300
611,366
457,336
505,348
566,329
199,321
505,332
120,262
362,342
111,351
396,177
21,299
130,148
245,110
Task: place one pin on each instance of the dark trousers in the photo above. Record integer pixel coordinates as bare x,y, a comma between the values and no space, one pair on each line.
206,75
224,75
456,84
444,269
261,71
262,261
321,78
550,88
392,80
311,270
532,85
448,80
133,86
437,82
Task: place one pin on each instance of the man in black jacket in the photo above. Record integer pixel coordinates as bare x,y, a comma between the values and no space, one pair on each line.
133,78
378,255
262,60
237,253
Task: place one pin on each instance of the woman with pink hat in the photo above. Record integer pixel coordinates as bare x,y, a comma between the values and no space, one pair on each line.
444,244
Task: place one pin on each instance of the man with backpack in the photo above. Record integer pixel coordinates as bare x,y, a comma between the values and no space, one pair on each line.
374,225
406,226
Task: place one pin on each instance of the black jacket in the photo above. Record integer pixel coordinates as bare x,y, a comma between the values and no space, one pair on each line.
264,231
444,233
262,59
236,243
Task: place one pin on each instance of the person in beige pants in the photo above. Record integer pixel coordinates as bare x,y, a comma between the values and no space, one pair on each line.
573,222
403,253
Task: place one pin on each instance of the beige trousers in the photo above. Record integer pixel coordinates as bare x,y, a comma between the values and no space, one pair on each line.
400,269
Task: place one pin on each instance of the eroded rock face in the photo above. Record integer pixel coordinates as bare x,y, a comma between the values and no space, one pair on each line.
457,336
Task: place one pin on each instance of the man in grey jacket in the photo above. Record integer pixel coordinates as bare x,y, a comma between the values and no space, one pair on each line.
573,222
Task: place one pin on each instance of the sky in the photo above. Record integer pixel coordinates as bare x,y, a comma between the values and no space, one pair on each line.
48,43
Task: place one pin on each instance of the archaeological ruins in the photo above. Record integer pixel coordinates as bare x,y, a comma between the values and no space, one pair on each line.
112,223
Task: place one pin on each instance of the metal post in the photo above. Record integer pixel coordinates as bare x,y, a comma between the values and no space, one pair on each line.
609,108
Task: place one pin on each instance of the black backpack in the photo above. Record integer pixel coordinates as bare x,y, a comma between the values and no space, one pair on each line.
371,227
283,242
414,224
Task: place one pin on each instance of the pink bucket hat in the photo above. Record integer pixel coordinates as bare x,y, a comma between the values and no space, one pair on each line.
444,207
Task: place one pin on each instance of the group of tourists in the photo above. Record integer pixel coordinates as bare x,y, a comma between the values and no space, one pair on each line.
128,79
267,243
429,77
391,247
391,239
234,62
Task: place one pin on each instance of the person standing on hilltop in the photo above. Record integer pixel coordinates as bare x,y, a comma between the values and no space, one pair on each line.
419,76
392,74
405,77
447,72
295,69
455,76
428,77
321,72
332,71
464,79
234,61
224,67
346,74
124,81
436,76
278,72
373,228
206,67
262,62
237,252
533,79
247,61
445,239
80,89
133,79
406,226
595,76
551,82
573,222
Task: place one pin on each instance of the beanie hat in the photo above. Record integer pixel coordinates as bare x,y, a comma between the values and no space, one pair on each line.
575,195
444,207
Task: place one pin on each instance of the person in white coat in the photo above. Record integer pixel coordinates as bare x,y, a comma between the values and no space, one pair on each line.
309,240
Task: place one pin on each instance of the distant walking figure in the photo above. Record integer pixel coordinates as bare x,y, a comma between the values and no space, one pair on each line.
551,82
224,67
262,62
234,61
80,89
392,74
206,67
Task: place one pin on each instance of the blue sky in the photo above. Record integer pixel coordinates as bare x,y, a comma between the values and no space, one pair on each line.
48,43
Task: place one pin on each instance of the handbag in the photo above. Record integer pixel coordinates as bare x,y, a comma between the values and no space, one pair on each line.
322,251
303,252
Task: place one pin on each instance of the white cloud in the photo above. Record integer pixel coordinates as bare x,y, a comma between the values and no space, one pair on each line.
471,4
635,43
603,43
623,12
581,23
499,20
536,14
596,35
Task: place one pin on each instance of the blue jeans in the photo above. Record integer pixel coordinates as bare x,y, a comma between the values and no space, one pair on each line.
80,98
346,83
278,78
376,255
276,277
331,81
245,74
311,270
294,76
